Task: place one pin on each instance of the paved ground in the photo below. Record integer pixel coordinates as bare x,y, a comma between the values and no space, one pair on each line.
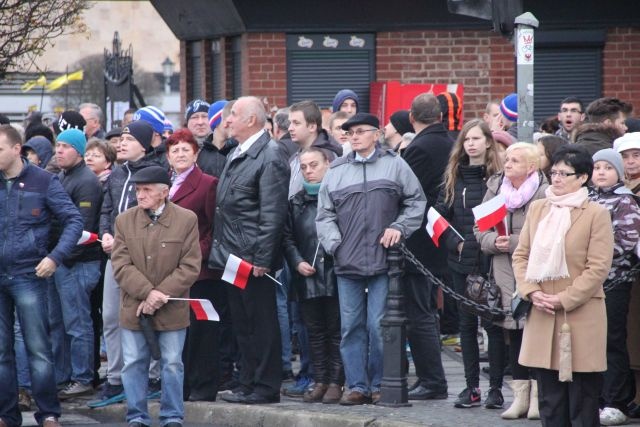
293,412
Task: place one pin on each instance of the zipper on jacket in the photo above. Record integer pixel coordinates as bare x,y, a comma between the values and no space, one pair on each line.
464,198
364,191
124,191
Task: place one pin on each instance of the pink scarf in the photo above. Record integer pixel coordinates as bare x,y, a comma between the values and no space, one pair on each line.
179,179
518,197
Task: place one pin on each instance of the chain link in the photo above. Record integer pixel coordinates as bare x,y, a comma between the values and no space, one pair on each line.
463,300
482,308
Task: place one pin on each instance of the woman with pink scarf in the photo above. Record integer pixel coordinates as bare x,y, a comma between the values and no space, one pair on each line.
521,183
563,257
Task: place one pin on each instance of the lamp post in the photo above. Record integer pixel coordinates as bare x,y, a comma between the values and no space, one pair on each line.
393,389
167,71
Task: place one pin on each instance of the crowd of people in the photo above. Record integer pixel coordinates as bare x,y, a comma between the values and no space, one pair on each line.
107,235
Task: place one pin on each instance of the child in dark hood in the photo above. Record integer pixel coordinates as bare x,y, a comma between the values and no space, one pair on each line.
38,150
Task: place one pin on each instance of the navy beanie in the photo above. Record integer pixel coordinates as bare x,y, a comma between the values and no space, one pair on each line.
342,96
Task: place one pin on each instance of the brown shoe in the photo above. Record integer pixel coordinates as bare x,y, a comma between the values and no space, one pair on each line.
354,398
333,394
50,421
315,394
24,400
375,397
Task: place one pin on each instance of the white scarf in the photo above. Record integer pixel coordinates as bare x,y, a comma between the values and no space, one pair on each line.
547,259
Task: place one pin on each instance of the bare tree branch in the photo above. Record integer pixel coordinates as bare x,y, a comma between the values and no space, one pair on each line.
28,27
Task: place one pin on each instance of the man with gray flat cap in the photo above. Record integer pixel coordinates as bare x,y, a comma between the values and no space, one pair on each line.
156,255
369,200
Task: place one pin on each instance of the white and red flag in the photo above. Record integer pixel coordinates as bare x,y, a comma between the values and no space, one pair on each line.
237,271
203,309
437,225
491,214
87,238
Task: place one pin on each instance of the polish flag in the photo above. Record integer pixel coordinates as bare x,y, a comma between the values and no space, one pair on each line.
436,225
490,213
87,238
203,309
237,271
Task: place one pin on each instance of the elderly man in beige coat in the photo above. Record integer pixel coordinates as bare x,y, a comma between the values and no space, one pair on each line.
156,255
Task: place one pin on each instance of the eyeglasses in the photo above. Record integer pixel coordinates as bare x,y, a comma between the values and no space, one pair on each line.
562,174
93,155
359,132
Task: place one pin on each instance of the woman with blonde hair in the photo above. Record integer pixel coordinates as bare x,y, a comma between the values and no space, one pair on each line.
473,160
521,182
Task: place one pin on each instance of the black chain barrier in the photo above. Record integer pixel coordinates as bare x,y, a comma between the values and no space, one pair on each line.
483,308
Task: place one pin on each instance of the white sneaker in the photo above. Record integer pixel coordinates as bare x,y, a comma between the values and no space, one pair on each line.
612,417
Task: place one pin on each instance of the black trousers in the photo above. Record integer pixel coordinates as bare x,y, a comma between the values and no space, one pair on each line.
617,383
321,317
420,296
518,372
564,404
255,323
201,353
449,323
469,342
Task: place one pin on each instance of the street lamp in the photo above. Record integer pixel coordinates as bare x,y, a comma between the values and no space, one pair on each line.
167,71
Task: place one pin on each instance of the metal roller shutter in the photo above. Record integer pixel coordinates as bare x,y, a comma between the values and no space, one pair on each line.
318,73
567,63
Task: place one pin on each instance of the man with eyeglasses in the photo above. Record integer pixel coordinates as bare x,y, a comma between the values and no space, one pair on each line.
369,201
571,114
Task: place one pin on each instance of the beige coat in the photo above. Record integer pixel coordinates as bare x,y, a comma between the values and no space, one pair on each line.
501,261
589,250
165,256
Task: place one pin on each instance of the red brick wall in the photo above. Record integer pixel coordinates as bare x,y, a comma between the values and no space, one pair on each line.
480,60
621,65
266,64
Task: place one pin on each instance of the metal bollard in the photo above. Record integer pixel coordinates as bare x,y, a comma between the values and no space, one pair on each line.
393,390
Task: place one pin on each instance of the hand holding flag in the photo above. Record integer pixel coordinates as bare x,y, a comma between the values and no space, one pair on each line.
437,225
237,272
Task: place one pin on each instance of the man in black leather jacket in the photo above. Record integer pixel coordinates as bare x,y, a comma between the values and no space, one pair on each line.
249,221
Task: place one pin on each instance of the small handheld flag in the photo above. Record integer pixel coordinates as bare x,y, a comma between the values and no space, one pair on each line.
202,308
490,213
87,238
437,225
237,271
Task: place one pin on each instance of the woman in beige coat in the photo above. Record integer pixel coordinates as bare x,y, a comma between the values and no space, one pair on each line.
521,183
562,259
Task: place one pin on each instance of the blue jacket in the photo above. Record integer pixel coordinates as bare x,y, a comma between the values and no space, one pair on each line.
27,204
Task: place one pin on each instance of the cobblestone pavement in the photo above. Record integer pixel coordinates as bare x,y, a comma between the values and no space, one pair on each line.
293,412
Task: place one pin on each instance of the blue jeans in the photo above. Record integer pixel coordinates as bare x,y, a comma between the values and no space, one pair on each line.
27,295
306,367
74,287
22,360
61,357
135,374
361,346
283,316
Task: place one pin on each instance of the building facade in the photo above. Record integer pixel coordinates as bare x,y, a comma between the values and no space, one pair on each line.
288,50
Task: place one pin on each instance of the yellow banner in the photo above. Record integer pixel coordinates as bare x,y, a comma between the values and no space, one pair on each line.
41,81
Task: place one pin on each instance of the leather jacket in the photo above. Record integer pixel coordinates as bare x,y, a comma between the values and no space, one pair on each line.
300,243
251,207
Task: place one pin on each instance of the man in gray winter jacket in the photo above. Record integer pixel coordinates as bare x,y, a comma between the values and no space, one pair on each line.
368,201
